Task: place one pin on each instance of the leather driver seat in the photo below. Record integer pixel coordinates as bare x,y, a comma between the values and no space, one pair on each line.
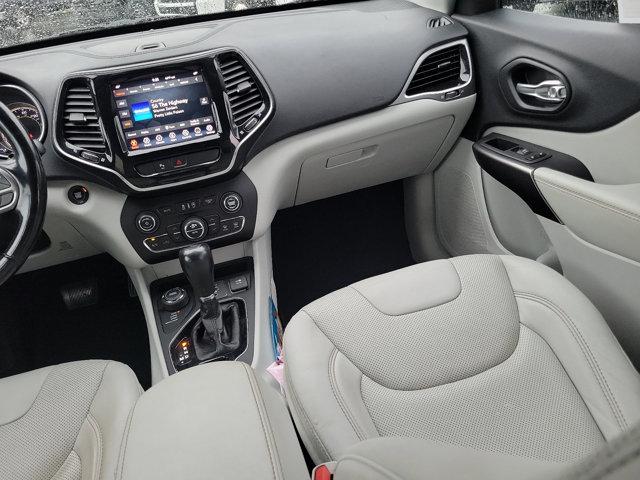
493,354
65,422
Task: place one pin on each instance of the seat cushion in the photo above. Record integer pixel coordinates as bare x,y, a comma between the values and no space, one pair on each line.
499,354
65,422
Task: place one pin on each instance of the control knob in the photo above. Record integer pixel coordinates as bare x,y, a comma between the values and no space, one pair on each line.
147,222
231,202
194,228
174,299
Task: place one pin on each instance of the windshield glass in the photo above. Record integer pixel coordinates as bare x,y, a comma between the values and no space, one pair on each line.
25,21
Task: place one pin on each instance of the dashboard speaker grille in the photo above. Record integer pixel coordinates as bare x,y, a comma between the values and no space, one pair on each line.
439,71
80,123
243,92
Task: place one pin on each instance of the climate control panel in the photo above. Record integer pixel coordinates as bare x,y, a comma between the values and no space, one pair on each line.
221,214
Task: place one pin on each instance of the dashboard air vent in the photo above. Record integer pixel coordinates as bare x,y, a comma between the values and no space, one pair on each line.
244,95
80,125
441,70
436,22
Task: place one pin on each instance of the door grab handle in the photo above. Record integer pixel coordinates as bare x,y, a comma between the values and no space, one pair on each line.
553,91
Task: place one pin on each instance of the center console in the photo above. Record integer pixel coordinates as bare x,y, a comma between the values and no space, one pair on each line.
178,314
161,124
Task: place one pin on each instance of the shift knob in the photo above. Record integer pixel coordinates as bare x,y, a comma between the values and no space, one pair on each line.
197,265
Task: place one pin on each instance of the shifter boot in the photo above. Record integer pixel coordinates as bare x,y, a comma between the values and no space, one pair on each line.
226,342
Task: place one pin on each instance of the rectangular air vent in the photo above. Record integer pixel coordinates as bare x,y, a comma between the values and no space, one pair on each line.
441,70
80,125
244,95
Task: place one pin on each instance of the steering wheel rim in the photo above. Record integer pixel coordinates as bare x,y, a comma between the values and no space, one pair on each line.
25,179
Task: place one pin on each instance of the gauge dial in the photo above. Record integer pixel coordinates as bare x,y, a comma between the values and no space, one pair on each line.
30,118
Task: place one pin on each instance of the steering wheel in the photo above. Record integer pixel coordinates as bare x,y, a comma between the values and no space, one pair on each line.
23,196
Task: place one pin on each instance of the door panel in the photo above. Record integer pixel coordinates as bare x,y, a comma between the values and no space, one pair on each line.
596,235
607,216
601,63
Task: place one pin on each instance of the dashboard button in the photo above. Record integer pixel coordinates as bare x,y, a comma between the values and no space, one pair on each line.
78,195
175,232
231,202
153,243
214,222
194,228
166,210
188,206
162,166
147,222
209,201
225,228
146,169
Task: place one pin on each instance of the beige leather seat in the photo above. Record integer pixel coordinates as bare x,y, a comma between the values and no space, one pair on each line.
479,353
65,422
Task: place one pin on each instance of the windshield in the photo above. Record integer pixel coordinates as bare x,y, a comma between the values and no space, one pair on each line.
25,21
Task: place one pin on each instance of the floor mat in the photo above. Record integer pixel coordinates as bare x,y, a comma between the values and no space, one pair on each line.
322,246
38,330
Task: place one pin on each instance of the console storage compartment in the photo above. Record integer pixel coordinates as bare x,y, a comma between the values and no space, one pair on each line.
211,421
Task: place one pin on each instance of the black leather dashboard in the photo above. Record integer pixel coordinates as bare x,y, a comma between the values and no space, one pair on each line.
322,64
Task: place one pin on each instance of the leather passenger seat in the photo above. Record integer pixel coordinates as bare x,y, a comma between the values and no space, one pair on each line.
488,354
65,422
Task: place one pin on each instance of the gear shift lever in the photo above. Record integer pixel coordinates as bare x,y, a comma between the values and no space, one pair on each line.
197,264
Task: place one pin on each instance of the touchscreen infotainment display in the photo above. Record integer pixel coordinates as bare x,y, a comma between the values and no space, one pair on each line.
165,109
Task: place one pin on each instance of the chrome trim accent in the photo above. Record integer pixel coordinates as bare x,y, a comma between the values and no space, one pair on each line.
436,95
36,103
14,188
151,63
553,91
244,221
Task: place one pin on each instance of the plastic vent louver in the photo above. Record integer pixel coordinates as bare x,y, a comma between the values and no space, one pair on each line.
439,71
81,128
243,93
438,22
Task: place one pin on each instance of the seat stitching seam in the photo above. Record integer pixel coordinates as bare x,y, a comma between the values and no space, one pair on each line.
35,399
273,457
298,405
604,205
124,441
98,432
339,398
587,352
406,313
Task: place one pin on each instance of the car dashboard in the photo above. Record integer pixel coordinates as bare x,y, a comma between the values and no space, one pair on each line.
201,132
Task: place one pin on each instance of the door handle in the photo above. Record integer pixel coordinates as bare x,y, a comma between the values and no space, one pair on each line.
552,91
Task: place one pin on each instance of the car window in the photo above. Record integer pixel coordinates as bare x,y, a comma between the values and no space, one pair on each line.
598,10
25,21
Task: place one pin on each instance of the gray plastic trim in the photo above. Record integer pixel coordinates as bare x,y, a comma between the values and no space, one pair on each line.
88,74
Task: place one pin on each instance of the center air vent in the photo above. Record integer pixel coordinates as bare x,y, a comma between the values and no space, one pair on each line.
80,125
245,98
441,70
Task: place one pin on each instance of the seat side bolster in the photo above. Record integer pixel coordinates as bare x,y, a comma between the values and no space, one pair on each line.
326,426
107,420
582,341
398,458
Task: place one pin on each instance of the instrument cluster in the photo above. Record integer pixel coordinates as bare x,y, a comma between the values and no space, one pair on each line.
26,107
